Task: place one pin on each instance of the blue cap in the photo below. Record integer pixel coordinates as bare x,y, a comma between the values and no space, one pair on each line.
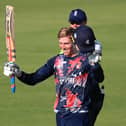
85,39
77,16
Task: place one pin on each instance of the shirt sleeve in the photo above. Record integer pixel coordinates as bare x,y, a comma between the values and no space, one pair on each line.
39,75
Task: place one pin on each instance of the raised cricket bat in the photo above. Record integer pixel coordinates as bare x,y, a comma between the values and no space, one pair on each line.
10,41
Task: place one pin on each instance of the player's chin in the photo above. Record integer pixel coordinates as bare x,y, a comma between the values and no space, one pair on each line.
66,53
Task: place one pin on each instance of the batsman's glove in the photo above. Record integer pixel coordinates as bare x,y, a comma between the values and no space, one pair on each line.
95,57
98,48
11,68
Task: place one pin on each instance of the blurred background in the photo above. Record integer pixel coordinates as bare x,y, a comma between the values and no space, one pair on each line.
37,23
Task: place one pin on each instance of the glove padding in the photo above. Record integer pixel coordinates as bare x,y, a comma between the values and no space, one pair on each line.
94,58
11,68
98,48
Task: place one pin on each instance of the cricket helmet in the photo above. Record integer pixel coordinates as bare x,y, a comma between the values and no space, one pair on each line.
85,39
77,16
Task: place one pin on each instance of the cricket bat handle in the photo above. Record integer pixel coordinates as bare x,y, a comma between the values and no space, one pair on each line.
12,82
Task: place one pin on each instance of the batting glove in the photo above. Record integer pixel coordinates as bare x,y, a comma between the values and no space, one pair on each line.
98,48
11,68
94,58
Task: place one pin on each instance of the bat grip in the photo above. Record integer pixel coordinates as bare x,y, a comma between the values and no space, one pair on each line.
12,82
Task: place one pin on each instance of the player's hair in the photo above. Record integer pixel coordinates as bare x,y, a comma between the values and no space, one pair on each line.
66,32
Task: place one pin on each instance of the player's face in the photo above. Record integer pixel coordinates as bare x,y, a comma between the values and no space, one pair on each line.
66,45
74,26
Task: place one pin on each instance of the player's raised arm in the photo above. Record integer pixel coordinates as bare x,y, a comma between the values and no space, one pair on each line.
33,78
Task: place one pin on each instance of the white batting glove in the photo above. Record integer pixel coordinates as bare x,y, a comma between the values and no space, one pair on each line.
98,48
94,58
7,69
11,68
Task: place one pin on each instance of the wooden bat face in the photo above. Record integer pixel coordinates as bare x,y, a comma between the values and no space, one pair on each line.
10,38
